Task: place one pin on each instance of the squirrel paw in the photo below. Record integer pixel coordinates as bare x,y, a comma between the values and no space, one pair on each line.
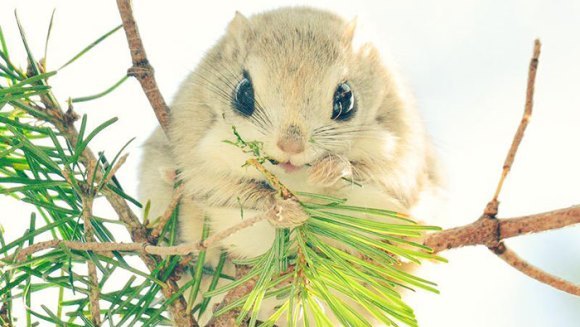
287,214
328,170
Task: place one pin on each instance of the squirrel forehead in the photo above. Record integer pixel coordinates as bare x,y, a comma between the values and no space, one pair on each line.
290,39
300,46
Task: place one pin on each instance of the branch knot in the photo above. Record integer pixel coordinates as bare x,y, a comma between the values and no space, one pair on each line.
141,70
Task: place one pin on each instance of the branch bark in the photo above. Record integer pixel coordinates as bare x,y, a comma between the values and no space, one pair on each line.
481,232
142,69
65,125
511,258
491,210
142,248
175,198
94,294
229,318
488,232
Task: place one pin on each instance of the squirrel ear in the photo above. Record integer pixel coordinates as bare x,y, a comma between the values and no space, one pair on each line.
348,33
239,30
239,27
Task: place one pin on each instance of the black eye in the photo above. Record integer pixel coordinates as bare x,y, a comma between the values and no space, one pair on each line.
343,106
243,99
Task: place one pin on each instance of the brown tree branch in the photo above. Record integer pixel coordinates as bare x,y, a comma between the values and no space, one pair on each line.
511,258
94,294
488,232
114,169
87,197
490,212
65,125
481,232
175,198
144,73
491,208
141,69
143,248
229,318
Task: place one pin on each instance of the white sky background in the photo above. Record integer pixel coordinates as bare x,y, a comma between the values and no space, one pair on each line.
465,61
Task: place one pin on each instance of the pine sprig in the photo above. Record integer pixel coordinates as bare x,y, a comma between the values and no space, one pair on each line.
41,167
342,251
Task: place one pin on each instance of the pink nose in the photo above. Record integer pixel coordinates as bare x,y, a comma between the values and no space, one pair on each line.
291,146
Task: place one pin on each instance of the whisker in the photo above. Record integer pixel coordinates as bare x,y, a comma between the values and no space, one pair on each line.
226,99
222,83
259,108
261,113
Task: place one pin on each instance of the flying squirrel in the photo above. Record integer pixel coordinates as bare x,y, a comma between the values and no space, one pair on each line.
333,118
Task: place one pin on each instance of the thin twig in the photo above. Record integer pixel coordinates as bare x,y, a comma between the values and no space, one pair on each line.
491,209
229,318
520,264
276,184
144,73
175,198
498,247
64,123
115,168
213,239
137,247
94,295
481,232
141,69
485,231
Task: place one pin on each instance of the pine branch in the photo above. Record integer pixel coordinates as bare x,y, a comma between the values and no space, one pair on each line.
229,318
490,212
162,221
481,232
511,258
92,269
142,69
488,232
142,248
63,121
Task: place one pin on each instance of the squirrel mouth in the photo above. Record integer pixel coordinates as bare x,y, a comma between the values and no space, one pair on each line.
288,167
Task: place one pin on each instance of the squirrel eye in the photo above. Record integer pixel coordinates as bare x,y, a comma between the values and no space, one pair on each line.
344,105
243,100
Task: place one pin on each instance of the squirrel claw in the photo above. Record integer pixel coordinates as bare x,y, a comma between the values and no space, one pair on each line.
328,170
287,213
